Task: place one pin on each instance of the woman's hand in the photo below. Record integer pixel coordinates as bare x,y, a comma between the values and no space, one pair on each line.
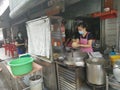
19,44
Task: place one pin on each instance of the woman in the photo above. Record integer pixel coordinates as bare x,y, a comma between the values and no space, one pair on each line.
20,43
84,39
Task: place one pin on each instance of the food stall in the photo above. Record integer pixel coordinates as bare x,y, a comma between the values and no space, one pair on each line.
60,66
64,66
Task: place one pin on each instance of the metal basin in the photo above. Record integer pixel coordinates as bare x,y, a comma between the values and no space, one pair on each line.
76,57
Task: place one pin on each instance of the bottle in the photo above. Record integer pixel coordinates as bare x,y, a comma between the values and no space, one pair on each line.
55,43
113,51
107,51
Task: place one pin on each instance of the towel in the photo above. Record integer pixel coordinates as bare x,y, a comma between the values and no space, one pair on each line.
39,37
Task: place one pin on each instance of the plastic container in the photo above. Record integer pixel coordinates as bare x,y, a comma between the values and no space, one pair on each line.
114,58
35,82
24,55
21,66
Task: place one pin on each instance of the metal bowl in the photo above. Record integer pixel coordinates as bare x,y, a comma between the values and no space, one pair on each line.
68,49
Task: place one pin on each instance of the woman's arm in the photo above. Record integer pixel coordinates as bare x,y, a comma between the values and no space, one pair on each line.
16,43
89,44
77,41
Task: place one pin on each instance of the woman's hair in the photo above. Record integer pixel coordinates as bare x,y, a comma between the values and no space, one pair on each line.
20,33
83,25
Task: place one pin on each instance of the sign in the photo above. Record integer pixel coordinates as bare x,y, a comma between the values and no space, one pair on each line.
105,15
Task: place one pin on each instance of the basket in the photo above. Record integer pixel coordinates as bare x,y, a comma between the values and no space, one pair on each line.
114,58
21,66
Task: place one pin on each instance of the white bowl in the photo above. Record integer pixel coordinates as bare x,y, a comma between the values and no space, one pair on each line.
107,9
79,64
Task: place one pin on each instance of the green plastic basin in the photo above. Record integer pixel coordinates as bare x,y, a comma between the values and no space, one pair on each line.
21,66
24,55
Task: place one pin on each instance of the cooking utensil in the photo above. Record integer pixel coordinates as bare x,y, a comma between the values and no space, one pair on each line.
95,71
76,57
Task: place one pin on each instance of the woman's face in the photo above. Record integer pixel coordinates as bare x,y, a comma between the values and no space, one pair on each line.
19,34
81,30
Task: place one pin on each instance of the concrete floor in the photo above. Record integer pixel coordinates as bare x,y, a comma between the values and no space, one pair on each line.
3,83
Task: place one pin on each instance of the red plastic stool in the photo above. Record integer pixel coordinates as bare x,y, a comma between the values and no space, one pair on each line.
6,47
12,49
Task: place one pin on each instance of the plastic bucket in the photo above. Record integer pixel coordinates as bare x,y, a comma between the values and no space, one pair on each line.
24,55
21,66
114,58
35,82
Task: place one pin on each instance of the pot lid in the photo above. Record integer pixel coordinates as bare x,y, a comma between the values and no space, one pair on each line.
96,61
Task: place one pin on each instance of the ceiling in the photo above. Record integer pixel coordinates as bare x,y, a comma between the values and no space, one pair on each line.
3,6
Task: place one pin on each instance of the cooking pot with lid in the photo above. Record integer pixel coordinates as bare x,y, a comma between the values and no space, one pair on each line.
95,71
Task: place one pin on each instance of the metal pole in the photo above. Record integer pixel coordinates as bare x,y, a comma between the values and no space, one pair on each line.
107,82
16,83
78,79
94,88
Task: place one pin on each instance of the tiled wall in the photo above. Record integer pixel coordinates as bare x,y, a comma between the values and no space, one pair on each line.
112,28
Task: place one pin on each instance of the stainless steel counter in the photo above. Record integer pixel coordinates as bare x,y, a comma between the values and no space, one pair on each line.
49,74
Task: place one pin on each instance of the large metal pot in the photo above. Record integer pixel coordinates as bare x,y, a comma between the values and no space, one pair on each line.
95,71
116,70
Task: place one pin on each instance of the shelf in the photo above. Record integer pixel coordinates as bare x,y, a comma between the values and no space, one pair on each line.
106,15
57,47
58,33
